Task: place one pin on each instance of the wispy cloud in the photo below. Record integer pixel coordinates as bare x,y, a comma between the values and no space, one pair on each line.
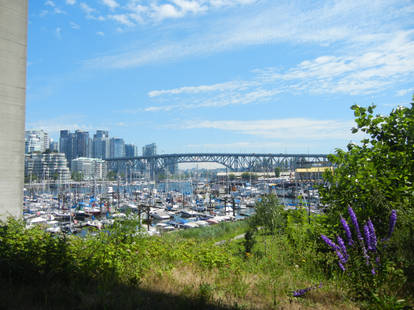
371,70
122,19
112,4
74,26
341,21
58,32
100,33
50,3
91,13
284,129
232,85
70,2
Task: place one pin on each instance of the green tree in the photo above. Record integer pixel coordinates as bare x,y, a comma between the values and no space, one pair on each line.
376,175
232,176
277,172
270,215
77,176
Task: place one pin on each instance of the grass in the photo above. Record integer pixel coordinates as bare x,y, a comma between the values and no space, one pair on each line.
183,270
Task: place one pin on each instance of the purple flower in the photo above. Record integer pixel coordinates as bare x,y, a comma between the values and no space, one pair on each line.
300,293
367,236
364,251
373,271
341,257
342,247
330,242
347,231
393,220
355,222
372,235
341,266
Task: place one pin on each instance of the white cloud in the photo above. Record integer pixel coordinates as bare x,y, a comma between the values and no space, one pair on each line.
58,11
122,19
86,8
50,3
343,21
403,92
74,26
70,2
100,33
283,129
58,32
112,4
232,85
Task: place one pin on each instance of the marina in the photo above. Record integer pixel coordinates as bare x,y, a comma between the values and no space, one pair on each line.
81,207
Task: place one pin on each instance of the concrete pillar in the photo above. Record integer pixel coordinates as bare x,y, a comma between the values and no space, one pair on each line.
13,47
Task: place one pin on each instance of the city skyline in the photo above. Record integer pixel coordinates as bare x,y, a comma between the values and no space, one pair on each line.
210,76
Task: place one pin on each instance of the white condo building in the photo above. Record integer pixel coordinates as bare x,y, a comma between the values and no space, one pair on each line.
47,166
90,168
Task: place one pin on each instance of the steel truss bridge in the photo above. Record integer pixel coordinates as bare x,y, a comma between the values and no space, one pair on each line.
233,161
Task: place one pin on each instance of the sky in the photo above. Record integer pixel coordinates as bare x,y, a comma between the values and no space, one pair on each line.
257,76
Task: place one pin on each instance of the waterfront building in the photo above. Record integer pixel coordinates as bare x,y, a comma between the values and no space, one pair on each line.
47,166
36,141
90,168
100,144
149,150
312,174
117,147
131,150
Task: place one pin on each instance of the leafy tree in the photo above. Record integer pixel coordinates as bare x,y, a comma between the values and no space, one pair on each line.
232,176
77,176
269,215
247,176
376,175
111,175
277,172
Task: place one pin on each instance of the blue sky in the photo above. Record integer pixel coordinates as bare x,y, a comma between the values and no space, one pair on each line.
217,75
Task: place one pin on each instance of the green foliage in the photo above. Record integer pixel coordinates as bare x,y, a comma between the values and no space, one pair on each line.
77,176
111,175
377,175
270,215
247,176
277,172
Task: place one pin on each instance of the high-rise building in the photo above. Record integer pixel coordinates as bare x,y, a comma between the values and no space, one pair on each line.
13,49
83,144
100,144
131,150
149,150
117,147
74,145
36,141
67,144
54,146
47,166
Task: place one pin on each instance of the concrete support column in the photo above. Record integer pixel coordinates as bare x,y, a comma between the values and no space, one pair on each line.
13,48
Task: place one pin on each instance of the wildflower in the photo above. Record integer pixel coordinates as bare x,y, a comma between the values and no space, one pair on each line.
347,231
373,271
329,242
367,236
341,257
372,235
300,293
342,247
355,222
393,220
341,266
